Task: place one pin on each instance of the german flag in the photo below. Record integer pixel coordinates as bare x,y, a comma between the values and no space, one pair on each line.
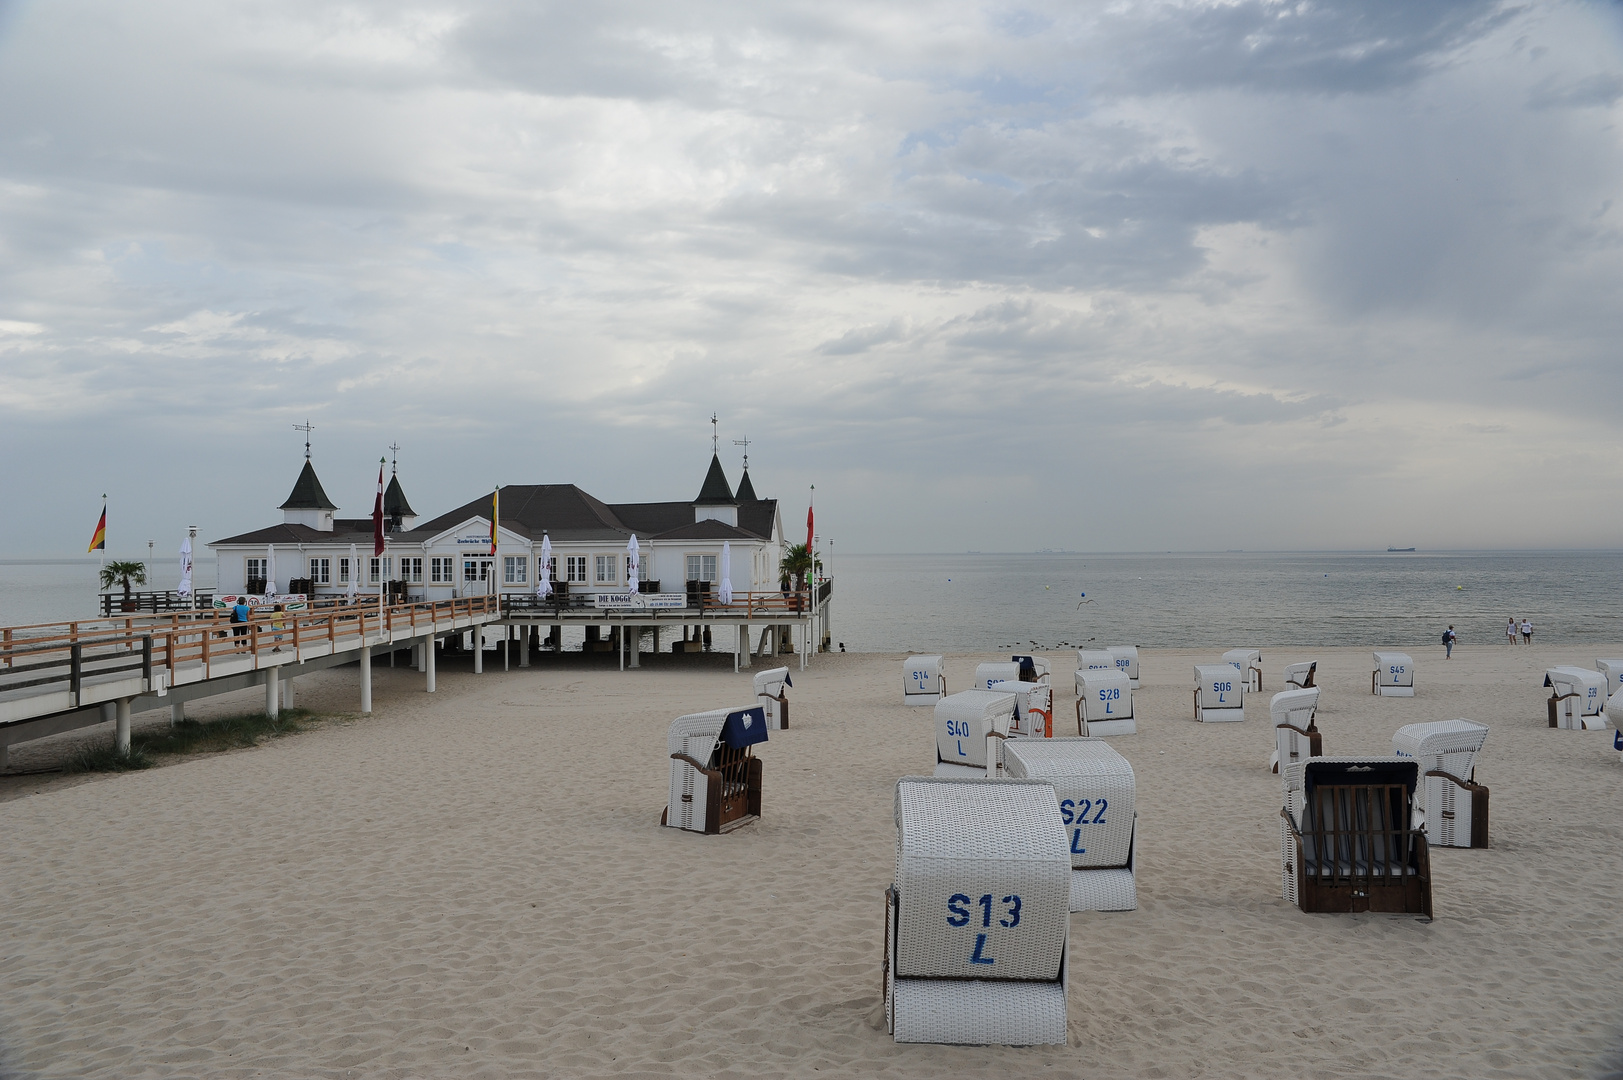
99,541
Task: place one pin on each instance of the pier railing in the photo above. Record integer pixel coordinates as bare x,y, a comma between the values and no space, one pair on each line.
57,656
773,602
114,603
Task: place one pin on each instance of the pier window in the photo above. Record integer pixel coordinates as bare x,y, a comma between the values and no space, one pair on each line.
701,568
515,569
411,569
380,566
343,571
577,568
608,570
321,571
475,570
552,569
441,569
256,569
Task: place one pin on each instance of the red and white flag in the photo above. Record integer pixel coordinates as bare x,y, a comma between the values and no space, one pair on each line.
377,515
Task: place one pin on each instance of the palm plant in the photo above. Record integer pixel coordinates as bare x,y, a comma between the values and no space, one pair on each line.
797,565
125,573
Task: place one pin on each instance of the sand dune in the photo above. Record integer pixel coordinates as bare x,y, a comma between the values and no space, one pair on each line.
473,884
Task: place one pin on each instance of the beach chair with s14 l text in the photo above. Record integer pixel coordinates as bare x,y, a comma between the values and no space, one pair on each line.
1126,661
1300,676
1033,709
1393,675
969,728
769,694
1577,698
1096,792
1033,668
1248,662
922,680
1104,703
1296,736
1347,837
995,671
1092,660
715,775
977,920
1453,806
1219,693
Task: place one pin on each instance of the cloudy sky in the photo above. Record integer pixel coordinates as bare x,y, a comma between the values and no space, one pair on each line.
1121,276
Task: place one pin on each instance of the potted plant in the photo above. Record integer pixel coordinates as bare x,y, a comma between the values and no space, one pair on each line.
125,573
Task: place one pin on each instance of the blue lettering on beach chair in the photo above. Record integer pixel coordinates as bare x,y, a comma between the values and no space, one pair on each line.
977,958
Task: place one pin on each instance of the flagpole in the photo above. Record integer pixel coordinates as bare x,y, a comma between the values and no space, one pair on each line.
104,531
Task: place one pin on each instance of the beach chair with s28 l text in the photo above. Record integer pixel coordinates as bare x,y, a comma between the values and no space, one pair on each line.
715,775
1296,736
1104,703
1347,837
1453,806
1097,796
977,920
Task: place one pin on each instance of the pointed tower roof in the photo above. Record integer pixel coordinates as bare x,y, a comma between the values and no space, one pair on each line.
307,493
746,490
394,500
716,490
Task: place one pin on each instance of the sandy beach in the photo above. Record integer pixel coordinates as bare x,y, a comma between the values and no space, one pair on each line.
474,884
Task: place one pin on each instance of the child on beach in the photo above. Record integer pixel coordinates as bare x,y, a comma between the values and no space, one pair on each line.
278,622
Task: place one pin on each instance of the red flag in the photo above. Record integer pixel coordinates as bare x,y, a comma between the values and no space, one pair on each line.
808,529
377,515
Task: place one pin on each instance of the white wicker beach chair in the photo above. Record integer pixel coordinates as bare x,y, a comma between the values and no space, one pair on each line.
1393,675
1033,709
1614,713
1096,789
978,920
922,681
1104,703
715,788
987,674
1295,734
1577,697
1301,675
769,686
1092,660
1454,807
1033,668
1219,693
1249,664
1126,661
1613,670
1347,840
969,726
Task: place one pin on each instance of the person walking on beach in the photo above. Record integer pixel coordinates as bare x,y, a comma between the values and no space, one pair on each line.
1527,631
1510,632
1449,638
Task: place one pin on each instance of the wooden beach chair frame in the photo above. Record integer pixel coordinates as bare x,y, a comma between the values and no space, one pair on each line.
729,779
1355,846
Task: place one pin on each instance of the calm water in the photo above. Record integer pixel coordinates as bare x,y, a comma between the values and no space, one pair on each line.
981,602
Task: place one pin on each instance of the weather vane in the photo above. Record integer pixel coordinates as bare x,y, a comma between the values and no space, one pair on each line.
394,468
745,443
715,437
307,427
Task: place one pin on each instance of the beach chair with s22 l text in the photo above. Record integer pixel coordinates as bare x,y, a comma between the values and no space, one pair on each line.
1097,795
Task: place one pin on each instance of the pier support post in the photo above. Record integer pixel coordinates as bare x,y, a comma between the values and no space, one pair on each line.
177,713
428,665
635,645
122,713
287,692
479,650
507,647
273,678
524,634
366,679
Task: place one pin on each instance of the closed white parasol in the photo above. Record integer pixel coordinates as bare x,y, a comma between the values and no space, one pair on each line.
185,567
543,576
631,564
270,571
725,594
354,573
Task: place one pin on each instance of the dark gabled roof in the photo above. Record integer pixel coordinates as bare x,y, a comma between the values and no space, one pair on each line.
307,493
394,500
716,491
649,519
746,490
563,511
344,532
709,529
757,517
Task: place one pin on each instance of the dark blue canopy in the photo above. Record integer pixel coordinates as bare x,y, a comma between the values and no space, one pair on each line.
746,727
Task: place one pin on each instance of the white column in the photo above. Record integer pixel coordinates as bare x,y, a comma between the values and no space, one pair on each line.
738,638
479,650
507,648
122,713
428,665
524,644
366,678
177,712
287,692
635,645
272,697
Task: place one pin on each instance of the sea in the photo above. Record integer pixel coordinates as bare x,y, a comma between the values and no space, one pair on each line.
975,602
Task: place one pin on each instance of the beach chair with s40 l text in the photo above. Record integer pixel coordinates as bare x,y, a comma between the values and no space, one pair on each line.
1347,836
1454,807
1096,793
977,921
969,726
769,694
922,680
1296,736
715,775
